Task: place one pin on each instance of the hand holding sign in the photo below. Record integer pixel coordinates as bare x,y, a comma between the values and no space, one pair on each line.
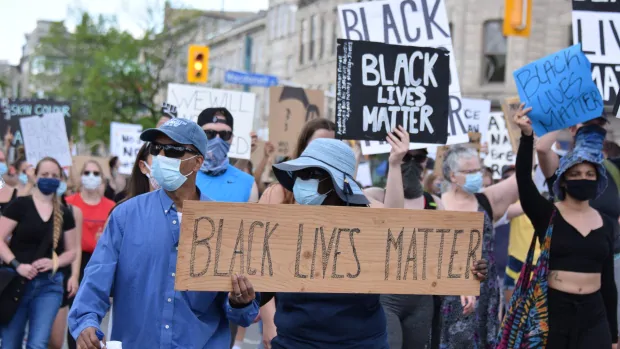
399,141
523,121
243,291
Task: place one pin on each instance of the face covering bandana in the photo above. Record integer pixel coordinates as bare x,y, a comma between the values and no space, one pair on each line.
62,188
3,169
412,186
306,192
167,172
216,160
473,183
48,186
152,180
23,178
582,189
91,182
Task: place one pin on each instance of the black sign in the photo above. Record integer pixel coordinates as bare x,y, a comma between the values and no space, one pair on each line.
380,86
596,5
11,110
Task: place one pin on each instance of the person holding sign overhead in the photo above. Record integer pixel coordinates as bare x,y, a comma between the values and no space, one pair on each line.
580,301
217,178
135,262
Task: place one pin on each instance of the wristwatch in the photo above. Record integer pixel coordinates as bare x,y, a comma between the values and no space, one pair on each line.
14,263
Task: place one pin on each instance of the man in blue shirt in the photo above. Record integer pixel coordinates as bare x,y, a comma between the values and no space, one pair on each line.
217,178
135,262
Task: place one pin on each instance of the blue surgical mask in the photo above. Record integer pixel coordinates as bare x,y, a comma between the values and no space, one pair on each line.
167,172
23,178
48,186
62,188
3,169
473,183
306,192
216,159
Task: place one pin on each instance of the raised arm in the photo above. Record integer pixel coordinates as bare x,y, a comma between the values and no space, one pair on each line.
548,160
394,194
502,195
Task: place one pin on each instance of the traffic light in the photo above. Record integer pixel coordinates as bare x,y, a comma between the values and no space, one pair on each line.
518,18
197,64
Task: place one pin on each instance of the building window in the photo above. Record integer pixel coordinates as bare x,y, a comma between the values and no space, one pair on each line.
322,38
571,40
314,32
303,40
495,48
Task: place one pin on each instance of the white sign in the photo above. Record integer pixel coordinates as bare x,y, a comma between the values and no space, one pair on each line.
125,143
476,112
500,148
46,135
191,100
364,175
410,23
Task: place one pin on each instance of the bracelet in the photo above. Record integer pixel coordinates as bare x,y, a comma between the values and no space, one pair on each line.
14,263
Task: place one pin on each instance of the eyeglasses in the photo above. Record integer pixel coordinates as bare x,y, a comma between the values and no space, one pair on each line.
310,173
94,173
170,150
476,171
224,135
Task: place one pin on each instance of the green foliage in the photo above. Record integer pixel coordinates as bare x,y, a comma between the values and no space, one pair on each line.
109,75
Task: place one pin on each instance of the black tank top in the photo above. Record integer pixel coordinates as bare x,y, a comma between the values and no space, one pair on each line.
3,205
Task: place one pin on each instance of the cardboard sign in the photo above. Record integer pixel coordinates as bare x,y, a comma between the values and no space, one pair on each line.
381,86
125,143
510,107
295,248
45,136
560,90
289,110
476,112
397,22
12,110
191,100
500,147
596,26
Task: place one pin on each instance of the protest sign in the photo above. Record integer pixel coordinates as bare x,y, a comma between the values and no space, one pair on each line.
500,148
509,107
381,86
596,26
289,110
125,143
398,22
45,135
617,107
299,248
476,113
191,100
12,110
560,90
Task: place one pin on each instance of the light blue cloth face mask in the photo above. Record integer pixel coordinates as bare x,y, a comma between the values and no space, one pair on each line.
306,192
473,183
167,172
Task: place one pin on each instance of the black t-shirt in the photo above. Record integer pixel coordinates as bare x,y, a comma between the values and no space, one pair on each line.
31,232
3,205
608,203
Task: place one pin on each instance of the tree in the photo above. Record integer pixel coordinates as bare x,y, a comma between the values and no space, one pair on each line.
109,75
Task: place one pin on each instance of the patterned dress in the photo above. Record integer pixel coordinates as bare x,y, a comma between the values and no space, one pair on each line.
479,329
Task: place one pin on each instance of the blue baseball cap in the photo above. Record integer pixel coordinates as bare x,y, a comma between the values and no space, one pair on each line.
331,155
182,131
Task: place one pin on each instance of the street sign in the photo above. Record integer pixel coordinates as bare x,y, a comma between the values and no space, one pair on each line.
241,78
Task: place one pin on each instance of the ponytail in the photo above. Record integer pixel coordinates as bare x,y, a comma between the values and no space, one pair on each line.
57,230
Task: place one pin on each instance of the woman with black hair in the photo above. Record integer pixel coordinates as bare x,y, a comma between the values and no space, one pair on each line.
117,182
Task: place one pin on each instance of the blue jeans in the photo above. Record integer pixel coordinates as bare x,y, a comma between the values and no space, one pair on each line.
38,308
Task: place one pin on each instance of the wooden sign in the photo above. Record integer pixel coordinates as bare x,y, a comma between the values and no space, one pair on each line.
327,249
510,107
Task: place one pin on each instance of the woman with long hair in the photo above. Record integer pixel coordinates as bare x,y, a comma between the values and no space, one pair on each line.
581,292
42,233
467,322
141,180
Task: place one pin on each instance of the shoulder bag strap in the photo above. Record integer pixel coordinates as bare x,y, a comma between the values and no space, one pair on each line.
526,270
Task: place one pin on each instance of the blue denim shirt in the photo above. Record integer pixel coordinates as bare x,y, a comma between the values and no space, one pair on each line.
135,262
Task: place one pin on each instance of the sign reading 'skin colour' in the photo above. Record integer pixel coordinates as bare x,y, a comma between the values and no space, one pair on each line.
294,248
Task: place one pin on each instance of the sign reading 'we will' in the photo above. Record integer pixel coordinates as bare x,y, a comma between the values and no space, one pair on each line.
381,86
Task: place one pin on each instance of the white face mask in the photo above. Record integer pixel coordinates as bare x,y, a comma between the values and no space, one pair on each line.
152,180
91,182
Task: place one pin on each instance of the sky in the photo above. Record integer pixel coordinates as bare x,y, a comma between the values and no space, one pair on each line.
18,17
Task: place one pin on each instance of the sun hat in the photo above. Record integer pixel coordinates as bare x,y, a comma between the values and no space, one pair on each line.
331,155
588,148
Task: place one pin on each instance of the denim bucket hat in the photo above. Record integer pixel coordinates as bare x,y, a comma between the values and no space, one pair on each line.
588,148
331,155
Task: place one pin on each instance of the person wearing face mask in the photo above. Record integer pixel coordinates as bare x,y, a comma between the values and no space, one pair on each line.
581,293
217,178
135,262
26,179
141,180
462,172
7,193
42,241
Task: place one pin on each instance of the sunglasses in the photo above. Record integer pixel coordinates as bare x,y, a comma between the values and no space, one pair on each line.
310,173
170,150
94,173
224,135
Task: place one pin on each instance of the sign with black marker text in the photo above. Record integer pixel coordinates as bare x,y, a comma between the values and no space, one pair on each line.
125,143
500,147
45,136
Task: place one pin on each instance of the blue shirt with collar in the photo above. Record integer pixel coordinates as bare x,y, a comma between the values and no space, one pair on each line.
233,185
137,253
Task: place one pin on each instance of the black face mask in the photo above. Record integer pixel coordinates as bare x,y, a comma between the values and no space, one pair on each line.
581,189
412,186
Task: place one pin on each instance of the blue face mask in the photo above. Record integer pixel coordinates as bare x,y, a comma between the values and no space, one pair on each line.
167,172
307,192
23,178
216,159
3,169
62,188
48,186
473,183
